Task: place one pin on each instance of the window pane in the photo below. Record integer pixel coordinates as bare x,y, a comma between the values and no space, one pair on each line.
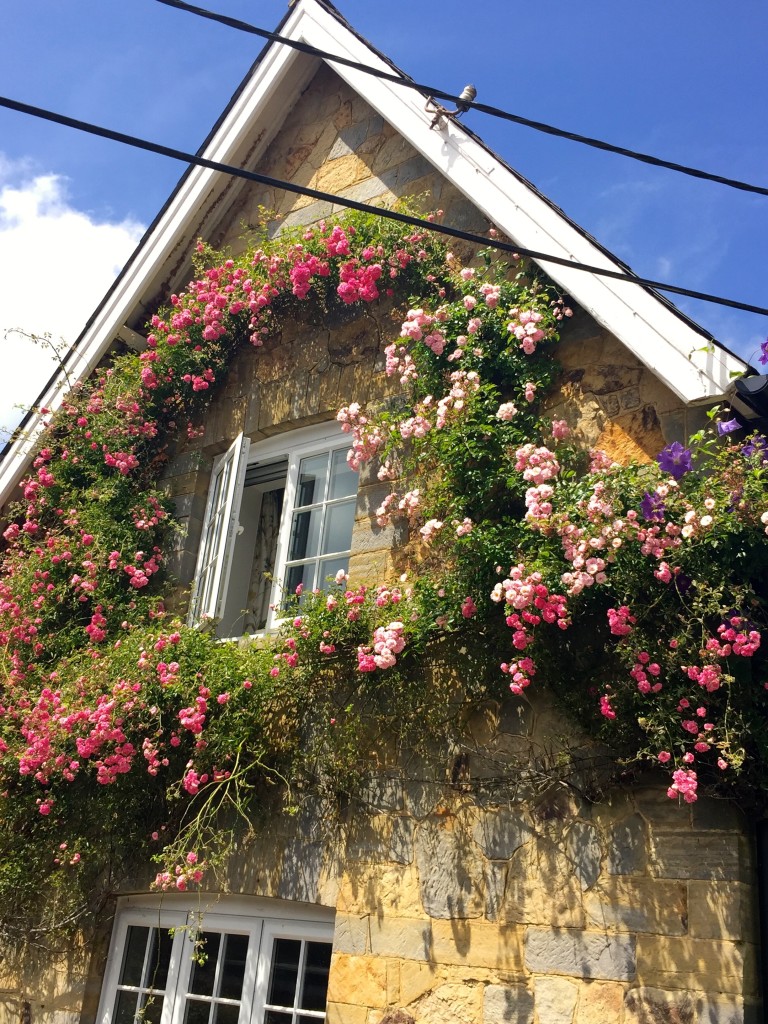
337,529
152,1010
311,482
226,1014
125,1008
133,959
273,1017
316,967
299,574
233,969
305,534
204,969
330,566
343,480
159,959
197,1012
285,970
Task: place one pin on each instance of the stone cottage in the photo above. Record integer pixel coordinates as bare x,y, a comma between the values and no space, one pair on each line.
438,903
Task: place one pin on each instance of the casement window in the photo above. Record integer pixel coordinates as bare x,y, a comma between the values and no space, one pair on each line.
168,965
279,513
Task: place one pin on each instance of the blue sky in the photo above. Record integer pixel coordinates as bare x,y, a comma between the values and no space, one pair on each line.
684,80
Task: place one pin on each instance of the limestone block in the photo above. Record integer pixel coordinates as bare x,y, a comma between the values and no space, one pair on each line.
360,980
371,568
309,214
345,1013
585,852
726,1011
632,436
351,934
717,814
449,870
366,534
500,833
705,965
449,1003
627,852
460,213
421,798
610,404
495,881
349,139
301,867
335,174
638,905
629,398
516,719
381,888
673,426
410,170
580,954
478,944
555,1000
383,794
542,888
275,405
369,837
704,855
658,810
645,1005
722,910
415,979
394,151
507,1004
327,386
399,937
401,841
599,1003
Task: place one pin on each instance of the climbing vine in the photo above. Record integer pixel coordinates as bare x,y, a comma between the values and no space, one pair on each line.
636,593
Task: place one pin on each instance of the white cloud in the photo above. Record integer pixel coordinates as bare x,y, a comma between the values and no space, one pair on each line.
56,263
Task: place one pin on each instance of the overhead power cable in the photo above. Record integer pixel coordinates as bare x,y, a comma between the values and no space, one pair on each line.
484,108
352,204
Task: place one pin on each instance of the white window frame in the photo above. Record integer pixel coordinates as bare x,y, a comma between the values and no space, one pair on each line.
207,600
295,445
263,920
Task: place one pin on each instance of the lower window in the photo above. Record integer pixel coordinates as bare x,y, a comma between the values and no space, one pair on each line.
170,967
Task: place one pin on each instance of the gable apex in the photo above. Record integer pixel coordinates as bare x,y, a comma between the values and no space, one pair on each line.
671,346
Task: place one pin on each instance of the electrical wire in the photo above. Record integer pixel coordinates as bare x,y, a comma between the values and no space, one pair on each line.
483,108
352,204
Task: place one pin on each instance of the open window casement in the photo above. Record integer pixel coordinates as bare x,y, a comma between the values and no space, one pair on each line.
280,514
220,524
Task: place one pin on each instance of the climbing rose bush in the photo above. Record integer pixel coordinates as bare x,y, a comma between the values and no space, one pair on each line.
636,593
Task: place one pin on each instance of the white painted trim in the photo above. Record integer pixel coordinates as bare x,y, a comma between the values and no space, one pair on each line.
659,338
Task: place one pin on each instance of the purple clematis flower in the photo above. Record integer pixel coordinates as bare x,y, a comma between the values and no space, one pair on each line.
756,445
675,460
728,426
652,506
764,352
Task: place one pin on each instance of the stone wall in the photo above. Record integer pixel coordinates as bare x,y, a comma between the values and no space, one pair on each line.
455,908
334,141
